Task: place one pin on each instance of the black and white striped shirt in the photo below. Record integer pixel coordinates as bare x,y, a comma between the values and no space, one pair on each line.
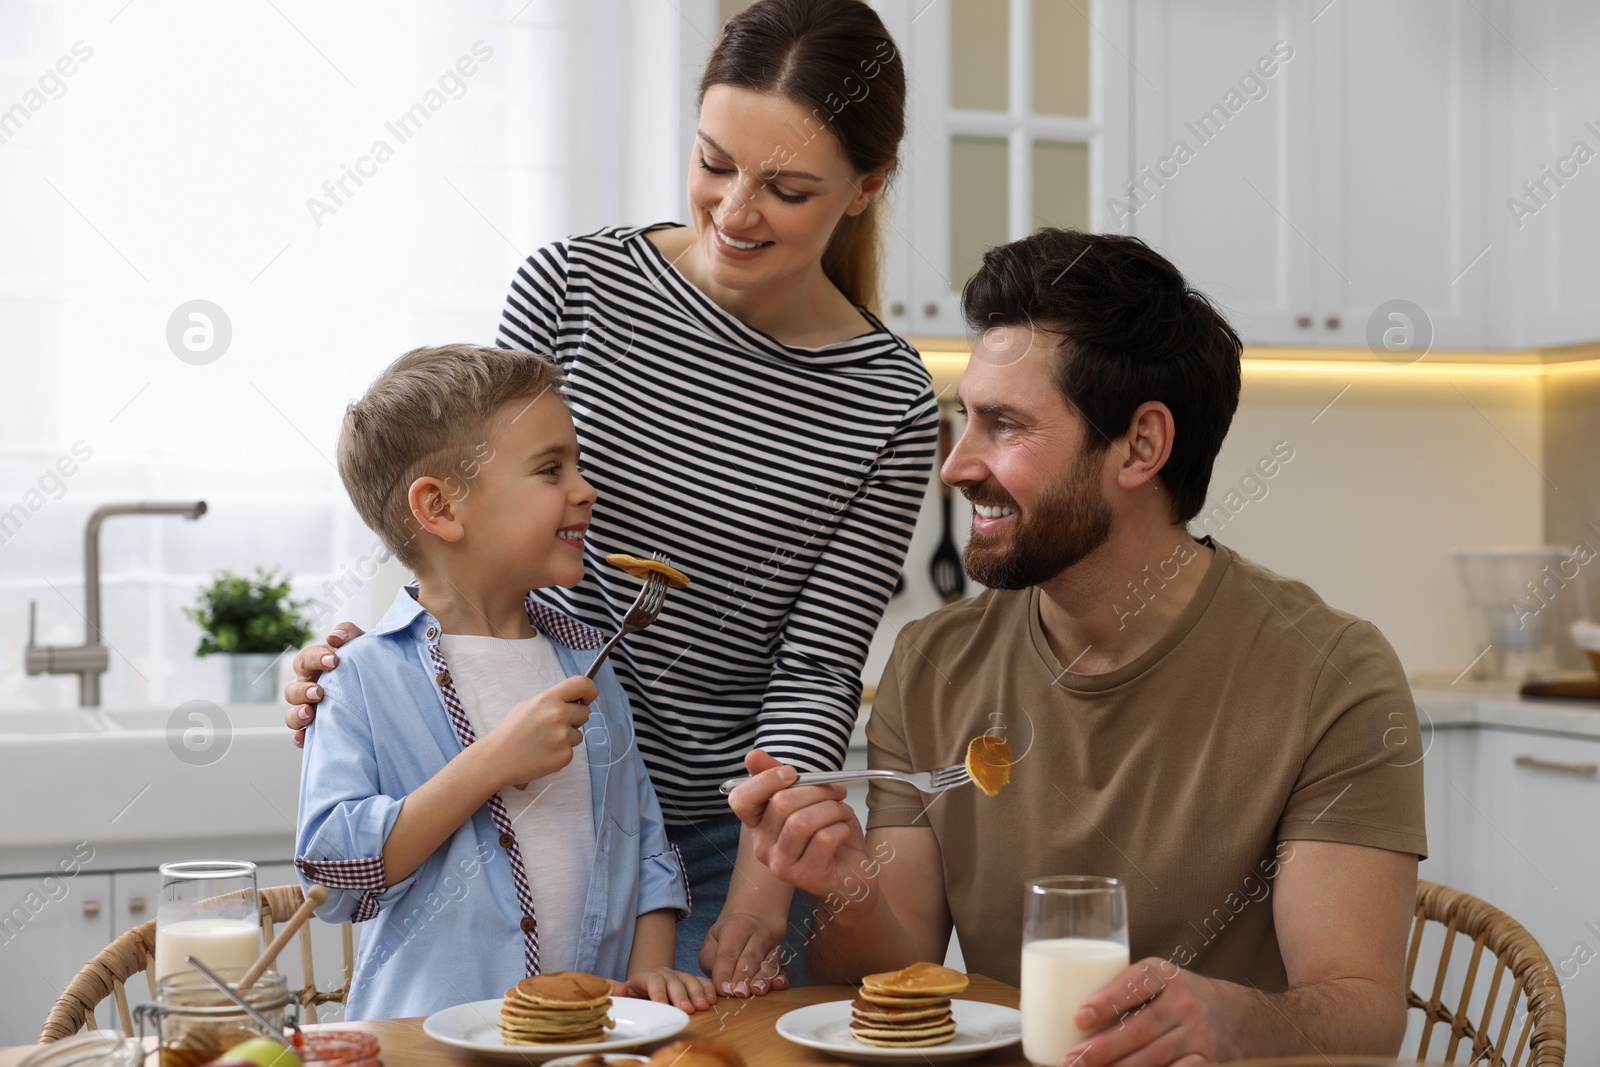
784,481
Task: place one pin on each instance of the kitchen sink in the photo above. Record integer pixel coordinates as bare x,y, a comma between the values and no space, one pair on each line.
144,774
52,721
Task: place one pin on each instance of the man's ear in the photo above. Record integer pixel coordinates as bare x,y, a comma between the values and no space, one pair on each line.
433,509
1146,445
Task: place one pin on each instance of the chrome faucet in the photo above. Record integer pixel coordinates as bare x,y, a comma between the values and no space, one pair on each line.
90,659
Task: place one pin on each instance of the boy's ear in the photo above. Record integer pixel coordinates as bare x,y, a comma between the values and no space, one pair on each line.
433,508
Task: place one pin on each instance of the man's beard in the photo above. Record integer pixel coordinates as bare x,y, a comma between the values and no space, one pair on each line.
1070,522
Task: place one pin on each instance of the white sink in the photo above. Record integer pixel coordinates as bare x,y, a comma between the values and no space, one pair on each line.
143,774
52,721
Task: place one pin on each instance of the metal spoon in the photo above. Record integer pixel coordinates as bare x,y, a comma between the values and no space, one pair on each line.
229,992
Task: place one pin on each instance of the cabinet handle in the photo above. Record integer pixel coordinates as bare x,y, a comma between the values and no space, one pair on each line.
1303,321
1588,770
136,905
897,308
91,908
1331,322
930,309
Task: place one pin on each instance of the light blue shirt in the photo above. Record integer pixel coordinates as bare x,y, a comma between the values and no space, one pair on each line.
461,927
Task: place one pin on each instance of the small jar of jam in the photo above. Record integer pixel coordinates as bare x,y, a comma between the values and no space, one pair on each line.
340,1048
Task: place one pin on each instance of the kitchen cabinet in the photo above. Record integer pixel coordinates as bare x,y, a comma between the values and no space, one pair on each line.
1537,805
1305,164
1546,193
49,928
1273,165
1018,119
1510,819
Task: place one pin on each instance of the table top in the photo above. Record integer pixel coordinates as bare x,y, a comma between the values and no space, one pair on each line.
748,1024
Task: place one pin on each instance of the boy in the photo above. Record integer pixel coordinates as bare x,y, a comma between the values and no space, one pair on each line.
484,834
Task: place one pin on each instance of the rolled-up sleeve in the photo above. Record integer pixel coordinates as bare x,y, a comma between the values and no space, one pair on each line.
344,818
663,882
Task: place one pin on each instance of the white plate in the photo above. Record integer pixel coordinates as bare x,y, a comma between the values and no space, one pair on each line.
980,1028
476,1028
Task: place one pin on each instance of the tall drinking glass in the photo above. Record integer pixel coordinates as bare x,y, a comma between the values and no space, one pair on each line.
208,910
1074,941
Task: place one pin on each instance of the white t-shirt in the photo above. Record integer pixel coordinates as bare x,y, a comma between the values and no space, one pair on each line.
553,818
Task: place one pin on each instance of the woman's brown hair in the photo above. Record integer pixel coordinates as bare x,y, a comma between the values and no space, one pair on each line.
835,58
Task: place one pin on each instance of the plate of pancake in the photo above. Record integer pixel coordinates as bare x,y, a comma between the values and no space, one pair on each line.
905,1014
564,1013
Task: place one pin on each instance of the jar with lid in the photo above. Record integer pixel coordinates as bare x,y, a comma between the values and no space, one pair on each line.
340,1048
195,1022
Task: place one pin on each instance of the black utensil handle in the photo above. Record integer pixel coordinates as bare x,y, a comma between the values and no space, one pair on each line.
942,454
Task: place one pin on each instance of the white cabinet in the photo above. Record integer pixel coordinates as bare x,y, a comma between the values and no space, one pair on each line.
50,925
1399,138
1545,196
1222,181
1533,834
1276,164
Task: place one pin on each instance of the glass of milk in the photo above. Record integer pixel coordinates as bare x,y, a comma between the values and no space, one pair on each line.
207,910
1074,942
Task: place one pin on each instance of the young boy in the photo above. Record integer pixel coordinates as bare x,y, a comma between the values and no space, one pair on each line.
473,798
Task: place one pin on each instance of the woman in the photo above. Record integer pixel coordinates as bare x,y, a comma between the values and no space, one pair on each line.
742,412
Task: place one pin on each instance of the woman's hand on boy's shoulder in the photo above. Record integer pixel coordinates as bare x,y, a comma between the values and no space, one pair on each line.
688,992
303,692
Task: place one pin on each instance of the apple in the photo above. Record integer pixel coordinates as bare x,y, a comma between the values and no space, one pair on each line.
258,1052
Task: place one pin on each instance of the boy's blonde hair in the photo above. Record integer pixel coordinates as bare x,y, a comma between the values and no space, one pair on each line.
428,415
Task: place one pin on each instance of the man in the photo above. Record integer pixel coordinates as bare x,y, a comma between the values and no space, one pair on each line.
1212,734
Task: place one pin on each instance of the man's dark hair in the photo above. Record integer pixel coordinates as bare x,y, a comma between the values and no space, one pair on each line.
1131,330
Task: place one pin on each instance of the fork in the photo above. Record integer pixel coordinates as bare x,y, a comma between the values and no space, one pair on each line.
935,781
646,609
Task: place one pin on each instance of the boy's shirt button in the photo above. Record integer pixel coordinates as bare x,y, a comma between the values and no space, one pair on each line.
443,678
433,631
506,841
528,924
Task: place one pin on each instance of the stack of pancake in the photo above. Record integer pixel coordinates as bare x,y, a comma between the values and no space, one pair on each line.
909,1008
561,1008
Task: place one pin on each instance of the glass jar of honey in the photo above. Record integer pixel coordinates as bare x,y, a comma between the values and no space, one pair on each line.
195,1022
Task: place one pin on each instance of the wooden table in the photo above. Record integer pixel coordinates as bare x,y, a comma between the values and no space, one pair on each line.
748,1024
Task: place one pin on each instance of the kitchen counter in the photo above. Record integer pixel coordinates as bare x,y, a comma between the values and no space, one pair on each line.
1453,709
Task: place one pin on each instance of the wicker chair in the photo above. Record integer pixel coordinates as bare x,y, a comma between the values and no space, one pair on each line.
1533,986
135,951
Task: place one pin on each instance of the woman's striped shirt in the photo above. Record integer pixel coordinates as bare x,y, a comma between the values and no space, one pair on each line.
785,481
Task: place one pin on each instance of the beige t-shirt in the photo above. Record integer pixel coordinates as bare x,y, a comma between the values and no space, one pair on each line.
1261,718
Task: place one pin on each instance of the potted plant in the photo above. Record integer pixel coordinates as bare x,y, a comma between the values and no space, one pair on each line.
251,621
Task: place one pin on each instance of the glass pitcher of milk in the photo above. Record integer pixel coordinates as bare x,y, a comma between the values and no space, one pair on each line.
1074,942
207,910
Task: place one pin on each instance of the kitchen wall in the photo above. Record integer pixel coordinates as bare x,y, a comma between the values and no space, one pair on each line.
1399,470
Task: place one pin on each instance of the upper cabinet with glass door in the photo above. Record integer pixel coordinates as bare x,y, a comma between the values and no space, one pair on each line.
1018,120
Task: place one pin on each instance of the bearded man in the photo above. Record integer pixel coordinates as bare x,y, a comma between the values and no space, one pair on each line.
1182,719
